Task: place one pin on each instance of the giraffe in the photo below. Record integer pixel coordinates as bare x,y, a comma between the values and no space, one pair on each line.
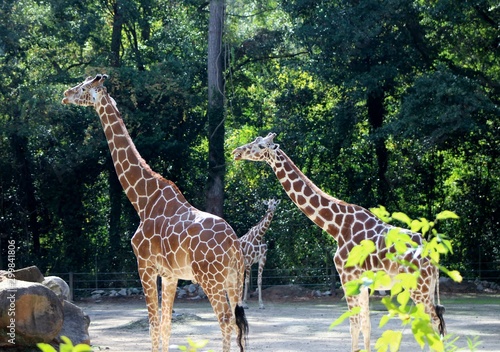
348,224
174,240
254,251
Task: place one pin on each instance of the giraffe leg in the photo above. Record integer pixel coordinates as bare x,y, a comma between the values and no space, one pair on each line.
354,321
262,262
148,280
364,315
247,282
425,294
360,322
168,288
238,320
220,305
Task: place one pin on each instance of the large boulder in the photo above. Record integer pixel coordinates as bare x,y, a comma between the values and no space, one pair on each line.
29,313
30,273
58,286
76,324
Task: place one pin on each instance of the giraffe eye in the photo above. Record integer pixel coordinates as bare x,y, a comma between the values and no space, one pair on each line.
262,146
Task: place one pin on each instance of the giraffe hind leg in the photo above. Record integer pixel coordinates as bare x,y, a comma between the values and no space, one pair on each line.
440,314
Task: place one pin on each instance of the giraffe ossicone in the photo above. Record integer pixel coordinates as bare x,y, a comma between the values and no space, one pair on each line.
255,250
174,240
349,225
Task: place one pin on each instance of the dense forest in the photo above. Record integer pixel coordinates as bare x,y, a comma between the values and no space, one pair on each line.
379,102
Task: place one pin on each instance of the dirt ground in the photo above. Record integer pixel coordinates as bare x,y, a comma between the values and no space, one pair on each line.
286,324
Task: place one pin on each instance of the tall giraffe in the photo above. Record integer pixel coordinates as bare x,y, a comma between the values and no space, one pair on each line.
254,250
349,224
174,240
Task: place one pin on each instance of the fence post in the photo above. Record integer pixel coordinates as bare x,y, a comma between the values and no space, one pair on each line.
71,287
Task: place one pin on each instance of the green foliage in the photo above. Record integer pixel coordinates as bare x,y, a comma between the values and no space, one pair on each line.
65,346
193,346
403,283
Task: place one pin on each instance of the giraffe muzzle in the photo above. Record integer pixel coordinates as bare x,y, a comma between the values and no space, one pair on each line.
236,154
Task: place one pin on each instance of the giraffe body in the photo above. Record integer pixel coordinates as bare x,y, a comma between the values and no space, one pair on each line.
349,225
174,240
255,250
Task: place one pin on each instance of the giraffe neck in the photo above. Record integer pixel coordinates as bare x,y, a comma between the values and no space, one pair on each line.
136,177
329,213
256,233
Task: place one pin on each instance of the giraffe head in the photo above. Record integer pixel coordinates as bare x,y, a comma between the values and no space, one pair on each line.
85,93
271,204
260,149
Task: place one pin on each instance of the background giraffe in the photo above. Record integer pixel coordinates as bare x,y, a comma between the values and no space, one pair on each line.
174,240
349,224
254,250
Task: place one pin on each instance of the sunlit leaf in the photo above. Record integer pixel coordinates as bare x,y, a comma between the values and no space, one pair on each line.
350,313
390,340
352,288
359,253
455,275
446,214
382,213
402,217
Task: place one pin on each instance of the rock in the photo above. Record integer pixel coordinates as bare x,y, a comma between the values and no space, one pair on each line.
38,313
58,286
76,324
30,274
192,288
96,296
97,292
135,291
201,293
181,293
122,292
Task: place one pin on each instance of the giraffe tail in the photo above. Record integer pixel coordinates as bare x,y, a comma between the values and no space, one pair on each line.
440,310
242,324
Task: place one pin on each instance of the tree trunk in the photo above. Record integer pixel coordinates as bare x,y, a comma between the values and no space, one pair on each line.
116,35
27,201
376,114
216,161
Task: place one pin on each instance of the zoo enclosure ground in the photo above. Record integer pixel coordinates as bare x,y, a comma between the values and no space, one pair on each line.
287,324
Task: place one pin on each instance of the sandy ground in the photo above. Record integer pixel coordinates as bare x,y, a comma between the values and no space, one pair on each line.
300,324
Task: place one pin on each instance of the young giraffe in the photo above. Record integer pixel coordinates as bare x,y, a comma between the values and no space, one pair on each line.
174,240
254,251
349,224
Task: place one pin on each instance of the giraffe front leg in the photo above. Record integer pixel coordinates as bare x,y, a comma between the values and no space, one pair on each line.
247,283
354,322
262,262
364,315
168,288
148,281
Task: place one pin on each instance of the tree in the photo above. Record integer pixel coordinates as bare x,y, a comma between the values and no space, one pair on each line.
215,110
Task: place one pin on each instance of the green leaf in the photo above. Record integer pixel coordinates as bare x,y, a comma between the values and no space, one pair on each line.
402,217
45,347
359,253
384,320
352,288
403,298
382,213
455,275
348,314
446,215
416,225
82,348
390,339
